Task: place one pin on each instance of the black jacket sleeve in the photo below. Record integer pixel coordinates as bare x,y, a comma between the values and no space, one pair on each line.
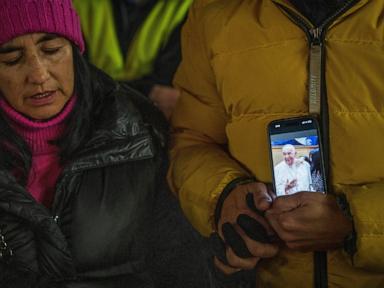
32,247
18,255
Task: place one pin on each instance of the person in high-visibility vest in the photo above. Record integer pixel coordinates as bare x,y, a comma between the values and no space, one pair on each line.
136,41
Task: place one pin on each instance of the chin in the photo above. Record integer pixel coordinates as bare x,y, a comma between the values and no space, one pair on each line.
43,115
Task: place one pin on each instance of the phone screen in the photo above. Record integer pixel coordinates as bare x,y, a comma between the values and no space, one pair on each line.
296,156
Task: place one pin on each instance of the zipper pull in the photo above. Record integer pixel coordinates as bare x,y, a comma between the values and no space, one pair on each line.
315,68
56,219
316,35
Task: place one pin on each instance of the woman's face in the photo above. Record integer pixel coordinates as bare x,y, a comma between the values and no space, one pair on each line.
36,74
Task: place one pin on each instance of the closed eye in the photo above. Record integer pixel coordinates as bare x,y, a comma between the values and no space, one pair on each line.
13,61
51,51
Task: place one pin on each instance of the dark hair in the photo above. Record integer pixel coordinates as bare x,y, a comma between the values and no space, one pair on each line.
15,154
306,158
316,162
79,122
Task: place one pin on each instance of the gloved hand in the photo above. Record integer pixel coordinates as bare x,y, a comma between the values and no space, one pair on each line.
252,228
239,279
243,228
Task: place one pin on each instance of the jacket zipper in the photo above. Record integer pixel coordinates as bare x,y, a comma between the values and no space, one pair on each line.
318,104
316,36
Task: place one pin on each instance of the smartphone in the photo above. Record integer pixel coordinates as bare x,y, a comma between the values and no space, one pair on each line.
296,156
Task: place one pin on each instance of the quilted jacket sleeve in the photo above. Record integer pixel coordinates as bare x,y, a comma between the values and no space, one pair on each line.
366,204
200,163
33,251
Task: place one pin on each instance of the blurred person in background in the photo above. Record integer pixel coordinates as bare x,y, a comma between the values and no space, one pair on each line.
316,171
136,41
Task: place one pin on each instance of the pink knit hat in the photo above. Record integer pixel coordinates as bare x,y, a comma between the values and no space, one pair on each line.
19,17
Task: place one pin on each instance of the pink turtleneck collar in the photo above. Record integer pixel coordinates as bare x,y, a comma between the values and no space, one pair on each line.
45,166
38,134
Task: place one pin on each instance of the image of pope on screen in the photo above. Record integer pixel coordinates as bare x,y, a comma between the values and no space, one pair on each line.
292,174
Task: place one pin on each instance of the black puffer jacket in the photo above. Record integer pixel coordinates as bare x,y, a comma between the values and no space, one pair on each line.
96,234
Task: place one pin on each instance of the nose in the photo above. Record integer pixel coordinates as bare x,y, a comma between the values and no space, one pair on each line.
38,73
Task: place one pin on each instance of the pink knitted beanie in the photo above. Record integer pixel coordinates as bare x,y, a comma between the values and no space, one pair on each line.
19,17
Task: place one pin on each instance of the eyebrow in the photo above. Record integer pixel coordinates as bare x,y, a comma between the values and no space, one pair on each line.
47,37
12,48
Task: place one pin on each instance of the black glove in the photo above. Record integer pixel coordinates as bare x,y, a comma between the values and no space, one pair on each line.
241,279
251,227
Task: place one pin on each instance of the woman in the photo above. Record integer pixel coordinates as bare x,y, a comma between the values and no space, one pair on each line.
79,162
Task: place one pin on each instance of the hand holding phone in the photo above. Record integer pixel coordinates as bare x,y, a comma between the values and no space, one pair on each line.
305,221
243,227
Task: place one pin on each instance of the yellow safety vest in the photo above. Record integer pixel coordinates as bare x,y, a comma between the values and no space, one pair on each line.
98,25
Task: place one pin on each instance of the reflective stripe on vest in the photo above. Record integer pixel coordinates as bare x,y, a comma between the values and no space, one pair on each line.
99,30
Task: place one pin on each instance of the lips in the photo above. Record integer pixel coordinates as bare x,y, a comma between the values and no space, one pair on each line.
42,95
41,99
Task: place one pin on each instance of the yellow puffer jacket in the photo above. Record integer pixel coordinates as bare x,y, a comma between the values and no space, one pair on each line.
244,65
